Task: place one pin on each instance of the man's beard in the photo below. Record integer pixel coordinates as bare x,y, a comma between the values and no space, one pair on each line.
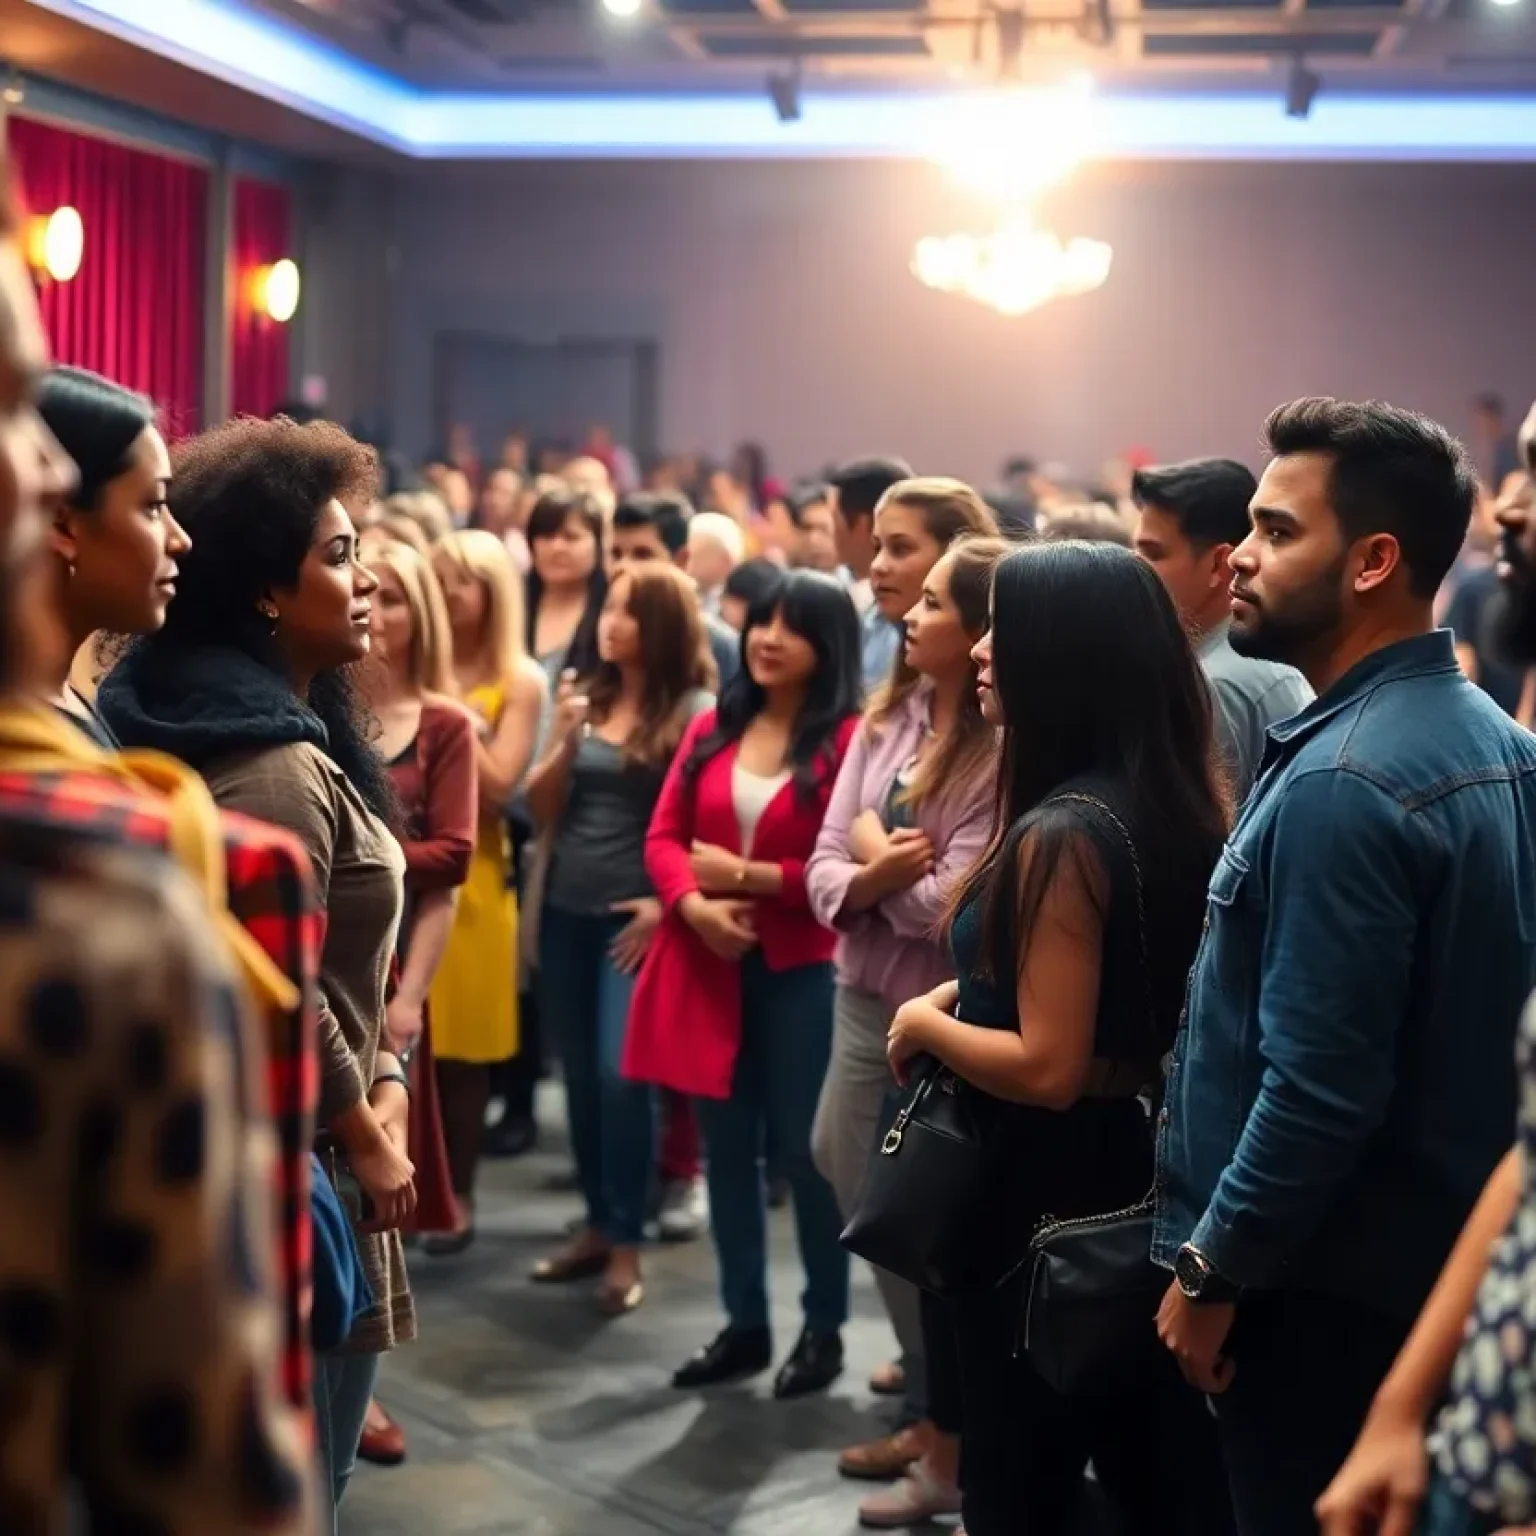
1512,621
1298,630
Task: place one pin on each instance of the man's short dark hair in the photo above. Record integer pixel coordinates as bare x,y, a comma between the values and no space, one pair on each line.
809,493
665,511
1393,471
1207,498
861,484
753,580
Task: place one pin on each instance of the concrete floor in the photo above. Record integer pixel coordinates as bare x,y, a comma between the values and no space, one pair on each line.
530,1415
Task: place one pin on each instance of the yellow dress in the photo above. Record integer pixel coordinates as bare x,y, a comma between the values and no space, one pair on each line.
474,995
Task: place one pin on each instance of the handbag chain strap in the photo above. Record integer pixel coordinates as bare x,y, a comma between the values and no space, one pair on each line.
1141,894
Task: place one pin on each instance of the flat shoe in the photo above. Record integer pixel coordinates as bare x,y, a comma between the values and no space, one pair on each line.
561,1270
447,1245
615,1301
888,1380
384,1447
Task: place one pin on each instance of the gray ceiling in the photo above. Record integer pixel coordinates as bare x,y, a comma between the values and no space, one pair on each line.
1444,45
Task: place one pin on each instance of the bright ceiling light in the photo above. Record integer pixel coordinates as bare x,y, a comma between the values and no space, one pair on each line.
625,10
1507,4
1015,269
1014,145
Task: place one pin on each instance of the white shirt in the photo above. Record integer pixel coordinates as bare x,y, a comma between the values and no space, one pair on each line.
751,794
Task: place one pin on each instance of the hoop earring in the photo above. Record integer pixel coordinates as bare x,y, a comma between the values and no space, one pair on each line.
268,612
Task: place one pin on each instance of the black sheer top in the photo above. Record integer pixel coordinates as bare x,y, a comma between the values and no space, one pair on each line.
1136,1023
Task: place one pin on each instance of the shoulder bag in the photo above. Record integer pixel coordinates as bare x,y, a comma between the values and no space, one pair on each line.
1091,1290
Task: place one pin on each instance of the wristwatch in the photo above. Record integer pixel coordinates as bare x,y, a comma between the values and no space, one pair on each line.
1198,1278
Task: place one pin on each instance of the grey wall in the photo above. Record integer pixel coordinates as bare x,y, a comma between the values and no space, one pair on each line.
782,302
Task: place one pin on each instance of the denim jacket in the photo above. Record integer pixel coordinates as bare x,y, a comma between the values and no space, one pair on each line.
1343,1082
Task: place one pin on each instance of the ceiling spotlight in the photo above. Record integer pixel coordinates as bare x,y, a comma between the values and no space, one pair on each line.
1301,88
625,10
784,93
1505,4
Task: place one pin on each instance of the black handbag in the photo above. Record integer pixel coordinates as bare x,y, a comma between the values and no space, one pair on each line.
927,1209
1091,1290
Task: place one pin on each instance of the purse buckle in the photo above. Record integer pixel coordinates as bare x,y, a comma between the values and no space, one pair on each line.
892,1138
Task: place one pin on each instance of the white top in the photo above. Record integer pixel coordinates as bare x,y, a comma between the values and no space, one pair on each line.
750,794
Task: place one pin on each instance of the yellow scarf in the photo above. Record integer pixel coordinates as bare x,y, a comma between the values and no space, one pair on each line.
35,740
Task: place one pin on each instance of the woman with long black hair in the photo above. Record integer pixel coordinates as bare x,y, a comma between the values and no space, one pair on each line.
1072,936
734,1001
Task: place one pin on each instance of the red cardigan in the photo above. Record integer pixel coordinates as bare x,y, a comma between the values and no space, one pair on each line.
685,1017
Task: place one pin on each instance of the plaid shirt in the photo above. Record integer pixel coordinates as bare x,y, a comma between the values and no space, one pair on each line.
271,893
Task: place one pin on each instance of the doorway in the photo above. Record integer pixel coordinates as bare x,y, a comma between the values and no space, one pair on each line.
551,391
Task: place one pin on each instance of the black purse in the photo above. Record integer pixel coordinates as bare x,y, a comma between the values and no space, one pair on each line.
927,1209
1091,1290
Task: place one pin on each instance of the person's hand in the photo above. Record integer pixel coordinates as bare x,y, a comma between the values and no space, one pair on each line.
867,838
1196,1334
404,1020
571,711
1382,1482
634,938
727,928
907,857
907,1037
945,996
389,1177
716,869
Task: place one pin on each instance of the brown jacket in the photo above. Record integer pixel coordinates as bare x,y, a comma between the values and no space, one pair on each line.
359,870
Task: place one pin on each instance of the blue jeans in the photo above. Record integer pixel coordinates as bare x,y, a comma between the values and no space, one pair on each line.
343,1389
1446,1512
584,1001
786,1043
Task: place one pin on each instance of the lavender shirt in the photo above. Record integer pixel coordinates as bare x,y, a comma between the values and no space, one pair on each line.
892,949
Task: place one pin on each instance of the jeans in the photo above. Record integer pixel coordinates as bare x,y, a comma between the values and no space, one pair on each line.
343,1389
854,1111
1307,1368
585,1001
786,1039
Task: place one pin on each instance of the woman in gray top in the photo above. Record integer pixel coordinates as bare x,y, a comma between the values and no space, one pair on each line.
595,786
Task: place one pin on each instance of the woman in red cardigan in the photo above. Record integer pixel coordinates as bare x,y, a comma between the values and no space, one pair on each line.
734,1002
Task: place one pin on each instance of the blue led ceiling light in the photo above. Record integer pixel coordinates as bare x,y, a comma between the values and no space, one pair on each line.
223,39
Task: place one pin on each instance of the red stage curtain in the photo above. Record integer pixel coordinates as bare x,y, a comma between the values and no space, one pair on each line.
259,347
134,311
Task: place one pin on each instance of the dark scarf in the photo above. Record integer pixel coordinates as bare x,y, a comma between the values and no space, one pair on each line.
203,704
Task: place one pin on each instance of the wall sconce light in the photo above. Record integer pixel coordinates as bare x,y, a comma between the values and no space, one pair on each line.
55,244
275,290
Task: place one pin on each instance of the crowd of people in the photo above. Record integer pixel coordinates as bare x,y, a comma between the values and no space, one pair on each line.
1161,831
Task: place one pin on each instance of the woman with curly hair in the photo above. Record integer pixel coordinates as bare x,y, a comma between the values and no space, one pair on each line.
250,682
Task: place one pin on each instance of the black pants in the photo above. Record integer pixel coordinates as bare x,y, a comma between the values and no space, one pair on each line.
944,1403
1307,1369
1023,1448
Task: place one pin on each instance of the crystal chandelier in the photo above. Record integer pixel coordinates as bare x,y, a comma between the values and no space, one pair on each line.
1013,270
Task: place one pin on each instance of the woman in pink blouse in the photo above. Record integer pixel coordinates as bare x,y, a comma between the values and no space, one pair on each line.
911,811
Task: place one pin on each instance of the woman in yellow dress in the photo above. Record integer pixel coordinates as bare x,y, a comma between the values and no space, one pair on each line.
474,994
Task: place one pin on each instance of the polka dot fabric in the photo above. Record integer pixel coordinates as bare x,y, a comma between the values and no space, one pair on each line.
1485,1439
137,1359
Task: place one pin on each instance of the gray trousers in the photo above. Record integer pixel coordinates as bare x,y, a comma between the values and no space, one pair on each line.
849,1116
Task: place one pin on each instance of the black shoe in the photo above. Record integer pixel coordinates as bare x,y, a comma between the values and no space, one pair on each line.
813,1365
733,1353
448,1245
511,1136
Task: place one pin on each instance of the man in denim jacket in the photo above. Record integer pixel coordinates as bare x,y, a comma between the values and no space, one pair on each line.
1344,1081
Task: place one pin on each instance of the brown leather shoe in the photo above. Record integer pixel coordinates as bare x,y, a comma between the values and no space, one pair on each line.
880,1461
383,1441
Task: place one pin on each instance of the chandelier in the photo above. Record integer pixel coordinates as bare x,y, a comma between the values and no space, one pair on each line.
1013,147
1013,270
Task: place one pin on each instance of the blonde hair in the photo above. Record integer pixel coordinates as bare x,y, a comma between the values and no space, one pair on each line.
483,556
725,531
425,508
390,527
430,666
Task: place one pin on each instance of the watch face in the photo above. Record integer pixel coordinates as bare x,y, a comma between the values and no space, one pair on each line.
1189,1272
